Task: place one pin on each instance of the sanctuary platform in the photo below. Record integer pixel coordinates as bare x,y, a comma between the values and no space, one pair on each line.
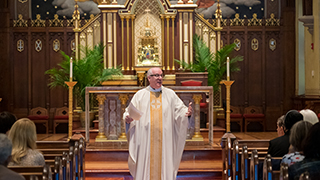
108,160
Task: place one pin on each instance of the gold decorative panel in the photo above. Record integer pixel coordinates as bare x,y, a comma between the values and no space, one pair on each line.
255,21
272,44
147,21
38,45
238,44
254,44
20,45
237,21
56,45
73,45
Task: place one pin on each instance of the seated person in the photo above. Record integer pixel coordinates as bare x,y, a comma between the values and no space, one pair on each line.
280,126
309,115
24,136
279,146
6,121
5,156
311,151
298,134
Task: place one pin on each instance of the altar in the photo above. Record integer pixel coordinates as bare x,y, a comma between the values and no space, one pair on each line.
114,100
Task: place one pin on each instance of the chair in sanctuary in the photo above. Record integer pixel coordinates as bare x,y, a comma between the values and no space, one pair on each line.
253,114
39,115
236,116
60,116
203,103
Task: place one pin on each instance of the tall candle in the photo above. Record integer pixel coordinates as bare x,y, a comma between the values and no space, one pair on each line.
228,68
71,67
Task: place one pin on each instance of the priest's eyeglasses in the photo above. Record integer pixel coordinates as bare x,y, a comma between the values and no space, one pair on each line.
157,75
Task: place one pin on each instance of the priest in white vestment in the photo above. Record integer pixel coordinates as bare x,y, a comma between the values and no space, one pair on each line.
157,138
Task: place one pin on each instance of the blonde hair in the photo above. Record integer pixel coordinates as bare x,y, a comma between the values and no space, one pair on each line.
23,136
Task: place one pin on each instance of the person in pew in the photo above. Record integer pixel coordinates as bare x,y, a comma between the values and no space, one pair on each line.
6,121
157,138
5,156
309,115
279,146
280,125
298,134
311,151
24,136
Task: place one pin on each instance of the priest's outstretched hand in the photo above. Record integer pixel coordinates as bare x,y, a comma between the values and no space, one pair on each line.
189,113
128,119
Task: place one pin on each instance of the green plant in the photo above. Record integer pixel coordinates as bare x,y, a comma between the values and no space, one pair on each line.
88,71
214,63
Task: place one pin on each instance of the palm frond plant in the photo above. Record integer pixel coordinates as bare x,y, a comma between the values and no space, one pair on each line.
214,63
88,71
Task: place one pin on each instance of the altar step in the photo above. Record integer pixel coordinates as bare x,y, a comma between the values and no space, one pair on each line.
197,163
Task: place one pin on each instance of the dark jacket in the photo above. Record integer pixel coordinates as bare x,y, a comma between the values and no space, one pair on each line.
279,146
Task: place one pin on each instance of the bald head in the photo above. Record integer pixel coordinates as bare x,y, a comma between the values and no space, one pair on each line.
155,77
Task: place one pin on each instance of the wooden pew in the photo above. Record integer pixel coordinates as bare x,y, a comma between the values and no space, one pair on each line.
254,162
267,168
82,151
67,165
305,176
284,175
30,173
236,161
244,163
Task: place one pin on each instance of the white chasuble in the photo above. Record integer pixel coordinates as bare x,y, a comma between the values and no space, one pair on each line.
157,139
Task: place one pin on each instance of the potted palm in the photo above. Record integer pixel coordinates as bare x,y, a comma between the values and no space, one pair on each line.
88,72
213,63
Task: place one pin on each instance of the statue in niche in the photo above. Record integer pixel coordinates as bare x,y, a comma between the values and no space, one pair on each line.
148,50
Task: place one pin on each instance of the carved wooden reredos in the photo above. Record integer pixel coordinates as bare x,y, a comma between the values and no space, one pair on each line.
125,29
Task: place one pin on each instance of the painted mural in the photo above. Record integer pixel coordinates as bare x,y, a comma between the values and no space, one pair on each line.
65,8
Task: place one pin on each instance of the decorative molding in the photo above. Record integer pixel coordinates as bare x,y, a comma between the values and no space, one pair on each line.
254,44
307,22
38,45
272,44
238,44
56,45
20,45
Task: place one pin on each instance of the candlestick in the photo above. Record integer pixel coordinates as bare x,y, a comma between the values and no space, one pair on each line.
71,67
228,69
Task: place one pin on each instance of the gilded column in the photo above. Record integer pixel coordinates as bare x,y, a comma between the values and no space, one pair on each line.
132,46
115,40
191,34
172,20
101,137
140,78
123,98
180,40
104,30
162,38
122,39
197,135
168,42
128,40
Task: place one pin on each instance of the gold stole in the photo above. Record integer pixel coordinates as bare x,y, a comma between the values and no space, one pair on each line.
155,135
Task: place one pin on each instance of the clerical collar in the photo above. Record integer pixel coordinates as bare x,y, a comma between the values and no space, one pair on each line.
155,90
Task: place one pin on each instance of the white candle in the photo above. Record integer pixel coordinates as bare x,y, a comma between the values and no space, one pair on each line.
228,68
71,67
